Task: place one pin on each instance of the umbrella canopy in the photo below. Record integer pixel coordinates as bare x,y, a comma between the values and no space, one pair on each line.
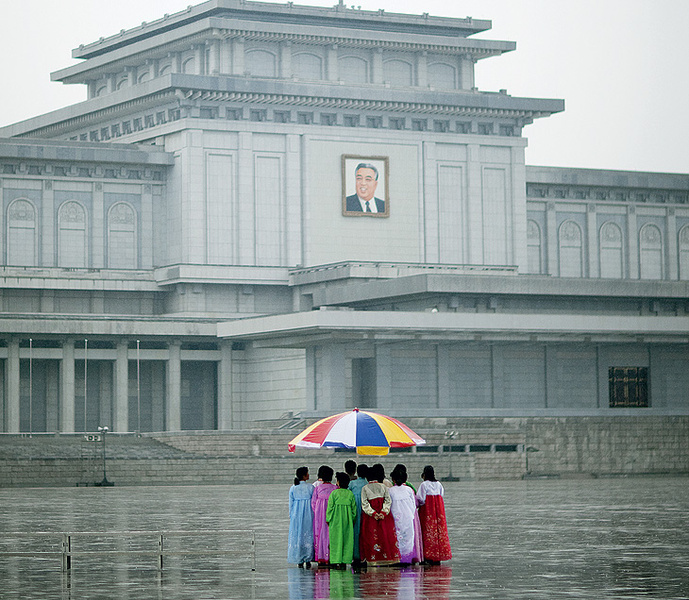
368,432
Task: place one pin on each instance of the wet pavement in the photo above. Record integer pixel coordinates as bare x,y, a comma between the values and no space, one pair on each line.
538,539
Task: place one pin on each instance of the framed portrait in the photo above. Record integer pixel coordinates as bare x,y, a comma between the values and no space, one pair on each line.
365,186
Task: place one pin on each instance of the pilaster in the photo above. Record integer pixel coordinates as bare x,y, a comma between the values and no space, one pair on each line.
12,402
633,243
121,392
67,381
552,265
174,387
671,236
474,204
593,241
225,396
331,63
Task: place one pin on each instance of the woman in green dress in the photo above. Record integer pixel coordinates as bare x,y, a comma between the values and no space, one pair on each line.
340,517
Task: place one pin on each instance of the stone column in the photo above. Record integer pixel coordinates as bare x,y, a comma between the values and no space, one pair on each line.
67,380
331,66
552,266
238,56
377,66
97,242
633,243
444,366
13,394
120,419
225,416
672,254
285,66
430,231
422,69
48,258
474,227
593,241
174,388
466,72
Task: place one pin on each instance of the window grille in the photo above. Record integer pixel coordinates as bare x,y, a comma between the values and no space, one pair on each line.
628,387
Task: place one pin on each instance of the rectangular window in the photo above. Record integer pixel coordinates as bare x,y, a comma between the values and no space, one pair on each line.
507,130
138,125
396,123
419,125
485,128
126,127
374,122
258,115
463,127
329,120
304,118
233,114
628,387
351,120
281,116
149,121
441,126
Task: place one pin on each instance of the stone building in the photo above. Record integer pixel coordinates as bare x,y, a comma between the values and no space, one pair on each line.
178,252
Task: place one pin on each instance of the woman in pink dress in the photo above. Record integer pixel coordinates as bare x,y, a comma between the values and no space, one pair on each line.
319,504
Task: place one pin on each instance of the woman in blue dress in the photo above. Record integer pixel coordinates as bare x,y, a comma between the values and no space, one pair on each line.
300,543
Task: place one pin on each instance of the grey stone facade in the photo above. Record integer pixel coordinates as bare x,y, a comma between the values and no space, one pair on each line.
175,254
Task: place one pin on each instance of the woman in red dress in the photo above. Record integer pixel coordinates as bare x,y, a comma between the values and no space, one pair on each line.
436,542
377,540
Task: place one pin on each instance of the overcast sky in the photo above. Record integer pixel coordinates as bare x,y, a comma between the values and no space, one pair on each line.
620,66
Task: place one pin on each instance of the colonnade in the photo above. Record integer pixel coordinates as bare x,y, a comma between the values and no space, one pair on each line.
66,384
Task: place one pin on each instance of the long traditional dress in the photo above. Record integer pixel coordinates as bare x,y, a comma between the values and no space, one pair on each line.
319,504
356,486
300,541
340,517
377,543
436,542
405,515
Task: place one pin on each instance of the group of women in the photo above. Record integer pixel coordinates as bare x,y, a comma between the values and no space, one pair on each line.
364,518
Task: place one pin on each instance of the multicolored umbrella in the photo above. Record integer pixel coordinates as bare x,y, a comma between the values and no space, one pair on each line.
368,432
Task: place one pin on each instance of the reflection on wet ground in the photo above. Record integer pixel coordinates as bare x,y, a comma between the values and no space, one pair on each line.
616,538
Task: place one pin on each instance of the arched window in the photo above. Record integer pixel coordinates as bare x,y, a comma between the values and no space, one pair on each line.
122,242
145,76
165,70
122,83
21,234
398,72
353,69
261,63
570,245
189,66
101,90
442,76
684,252
611,264
650,252
533,246
71,240
307,66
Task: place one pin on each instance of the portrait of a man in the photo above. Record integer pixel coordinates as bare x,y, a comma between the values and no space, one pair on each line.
365,185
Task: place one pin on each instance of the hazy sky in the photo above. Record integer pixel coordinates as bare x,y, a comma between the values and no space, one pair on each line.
620,66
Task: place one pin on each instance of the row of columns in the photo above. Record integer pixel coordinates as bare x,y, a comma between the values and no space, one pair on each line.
120,396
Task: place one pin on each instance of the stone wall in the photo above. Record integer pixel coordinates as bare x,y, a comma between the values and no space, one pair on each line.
468,449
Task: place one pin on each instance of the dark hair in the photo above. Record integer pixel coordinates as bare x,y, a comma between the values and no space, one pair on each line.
362,470
366,166
399,476
400,467
428,473
342,480
350,467
325,473
376,473
301,471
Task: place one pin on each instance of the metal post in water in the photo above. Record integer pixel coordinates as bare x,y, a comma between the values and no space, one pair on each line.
86,349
